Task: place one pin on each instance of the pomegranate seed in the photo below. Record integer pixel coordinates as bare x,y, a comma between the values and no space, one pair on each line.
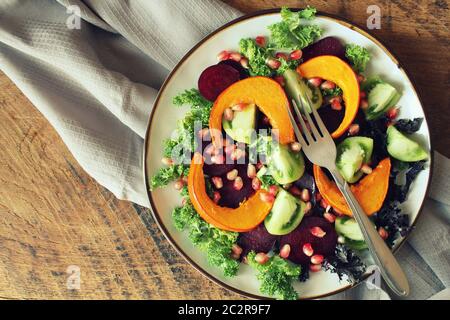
327,85
315,82
204,134
305,196
167,161
383,233
244,63
267,197
280,80
273,63
216,197
210,150
295,146
235,256
184,179
259,165
353,129
308,207
360,78
317,232
295,191
218,159
323,203
239,106
183,201
318,196
238,183
235,248
236,56
230,148
336,104
363,104
232,174
341,239
392,113
317,259
273,190
223,55
315,267
331,218
307,249
179,184
328,209
217,181
365,168
237,154
362,94
296,54
251,171
261,258
281,55
228,114
256,184
260,41
285,251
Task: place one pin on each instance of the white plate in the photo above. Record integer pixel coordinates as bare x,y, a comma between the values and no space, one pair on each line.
185,75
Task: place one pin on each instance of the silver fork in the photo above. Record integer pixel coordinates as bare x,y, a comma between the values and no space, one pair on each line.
320,149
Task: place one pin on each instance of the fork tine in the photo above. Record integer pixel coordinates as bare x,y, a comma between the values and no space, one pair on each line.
305,130
323,129
298,134
312,125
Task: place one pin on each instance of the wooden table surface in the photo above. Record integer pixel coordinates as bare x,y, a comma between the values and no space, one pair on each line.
53,215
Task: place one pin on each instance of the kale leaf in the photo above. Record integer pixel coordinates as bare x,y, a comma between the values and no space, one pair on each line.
411,170
332,92
290,33
165,175
393,221
276,276
215,242
409,126
345,262
257,57
358,56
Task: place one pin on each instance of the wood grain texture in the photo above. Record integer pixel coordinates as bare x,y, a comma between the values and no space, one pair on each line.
53,215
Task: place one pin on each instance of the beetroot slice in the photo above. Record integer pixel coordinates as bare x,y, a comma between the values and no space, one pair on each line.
297,238
236,65
326,46
216,79
231,198
258,240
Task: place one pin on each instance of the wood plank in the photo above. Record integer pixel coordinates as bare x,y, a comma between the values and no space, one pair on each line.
53,215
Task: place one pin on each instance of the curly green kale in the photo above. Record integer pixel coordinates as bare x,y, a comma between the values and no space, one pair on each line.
215,242
290,33
257,57
184,143
332,92
358,56
166,175
276,276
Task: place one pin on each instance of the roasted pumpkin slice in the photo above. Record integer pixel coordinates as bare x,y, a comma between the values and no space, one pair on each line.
370,191
266,94
246,217
336,70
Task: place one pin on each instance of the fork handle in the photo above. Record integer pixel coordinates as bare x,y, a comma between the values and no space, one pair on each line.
390,269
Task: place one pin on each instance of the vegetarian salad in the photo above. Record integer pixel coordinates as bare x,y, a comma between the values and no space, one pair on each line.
250,196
